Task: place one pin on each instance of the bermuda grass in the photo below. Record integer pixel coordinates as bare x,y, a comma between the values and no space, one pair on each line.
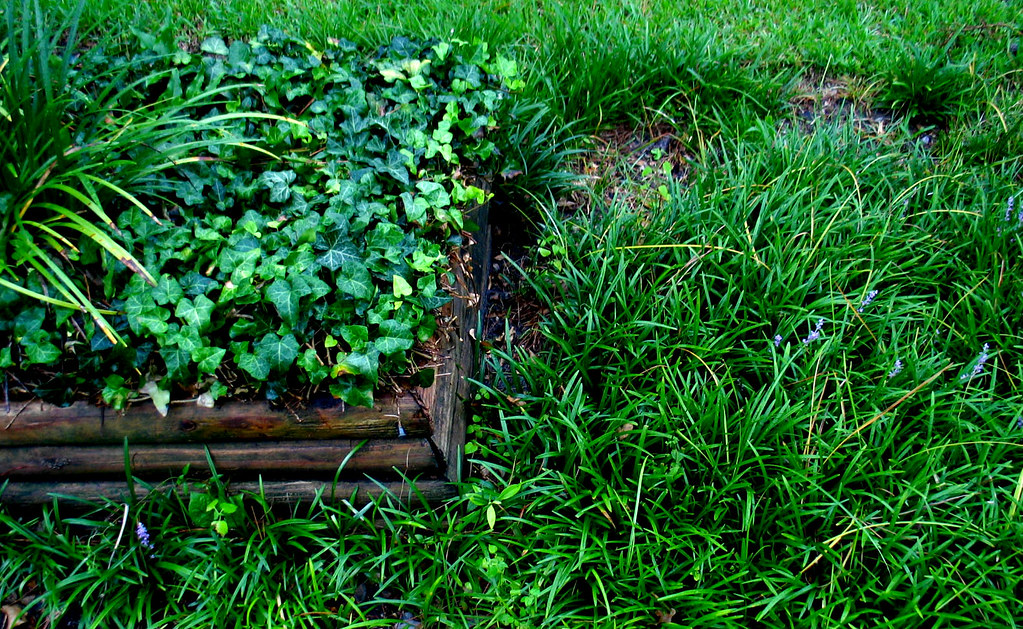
785,392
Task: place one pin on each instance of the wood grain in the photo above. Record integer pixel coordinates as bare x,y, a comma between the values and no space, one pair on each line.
276,458
37,423
446,400
357,493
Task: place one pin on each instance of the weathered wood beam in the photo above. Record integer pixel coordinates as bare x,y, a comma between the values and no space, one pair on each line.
36,423
357,493
280,458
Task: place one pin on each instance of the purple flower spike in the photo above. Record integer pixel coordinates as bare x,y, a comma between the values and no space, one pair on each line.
978,368
143,534
867,301
816,334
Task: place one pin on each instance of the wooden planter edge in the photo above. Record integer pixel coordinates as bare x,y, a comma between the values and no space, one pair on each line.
430,419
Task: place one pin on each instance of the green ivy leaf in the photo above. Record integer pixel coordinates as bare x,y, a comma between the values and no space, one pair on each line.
415,208
208,358
214,46
434,194
357,337
315,370
167,290
279,352
38,348
339,250
285,299
256,365
401,286
355,280
153,319
187,339
366,364
395,337
195,311
353,393
279,184
177,361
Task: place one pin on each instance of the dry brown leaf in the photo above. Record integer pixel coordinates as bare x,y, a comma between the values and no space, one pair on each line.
10,617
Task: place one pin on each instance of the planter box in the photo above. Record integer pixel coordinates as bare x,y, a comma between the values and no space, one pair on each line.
83,451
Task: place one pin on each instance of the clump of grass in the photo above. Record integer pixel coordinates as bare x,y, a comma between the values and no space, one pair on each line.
924,84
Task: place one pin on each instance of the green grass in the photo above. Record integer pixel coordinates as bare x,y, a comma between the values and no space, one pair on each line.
606,63
664,459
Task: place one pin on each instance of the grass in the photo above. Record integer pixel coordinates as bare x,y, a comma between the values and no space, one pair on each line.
686,450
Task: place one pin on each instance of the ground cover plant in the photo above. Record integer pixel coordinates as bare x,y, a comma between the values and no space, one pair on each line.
777,384
309,248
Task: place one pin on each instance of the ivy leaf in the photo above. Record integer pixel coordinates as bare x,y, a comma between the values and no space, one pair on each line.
256,365
279,184
209,358
195,311
284,298
357,336
315,370
401,286
355,280
365,364
278,352
353,393
153,319
177,361
38,348
395,337
339,250
28,321
193,284
167,290
214,46
434,193
415,208
187,339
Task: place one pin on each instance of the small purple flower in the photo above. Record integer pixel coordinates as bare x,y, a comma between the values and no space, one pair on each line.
896,369
143,534
1008,209
867,301
1019,422
816,334
978,368
777,340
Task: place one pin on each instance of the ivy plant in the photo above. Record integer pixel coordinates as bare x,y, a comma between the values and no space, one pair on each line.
310,251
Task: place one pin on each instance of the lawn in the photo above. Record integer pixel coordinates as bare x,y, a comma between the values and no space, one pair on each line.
773,377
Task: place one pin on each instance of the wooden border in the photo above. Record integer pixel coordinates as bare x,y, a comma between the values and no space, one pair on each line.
75,452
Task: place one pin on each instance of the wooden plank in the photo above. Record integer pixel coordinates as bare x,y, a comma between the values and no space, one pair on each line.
446,399
357,493
37,423
280,458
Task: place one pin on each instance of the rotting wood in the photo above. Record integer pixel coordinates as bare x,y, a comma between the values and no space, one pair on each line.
282,458
37,423
357,493
448,402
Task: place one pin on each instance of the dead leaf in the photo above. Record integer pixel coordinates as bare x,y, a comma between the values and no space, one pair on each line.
205,400
665,617
11,617
161,398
